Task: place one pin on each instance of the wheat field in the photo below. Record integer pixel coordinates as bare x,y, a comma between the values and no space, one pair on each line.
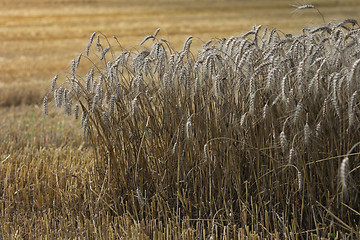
181,132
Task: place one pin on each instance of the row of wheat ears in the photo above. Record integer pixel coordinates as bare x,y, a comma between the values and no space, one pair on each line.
259,75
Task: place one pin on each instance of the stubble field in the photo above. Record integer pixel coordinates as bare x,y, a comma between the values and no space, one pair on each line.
39,38
51,181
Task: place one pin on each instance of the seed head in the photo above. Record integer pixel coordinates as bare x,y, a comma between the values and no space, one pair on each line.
134,106
85,126
318,129
78,60
283,142
54,83
307,133
67,107
265,111
300,180
82,118
351,109
242,120
76,111
98,44
292,155
95,103
112,104
298,110
106,120
104,53
188,128
73,67
45,105
59,96
306,6
252,103
89,44
344,172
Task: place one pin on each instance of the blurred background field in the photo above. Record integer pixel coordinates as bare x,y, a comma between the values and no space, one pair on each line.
38,39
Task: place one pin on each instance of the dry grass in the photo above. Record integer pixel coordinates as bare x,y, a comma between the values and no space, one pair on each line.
238,129
232,160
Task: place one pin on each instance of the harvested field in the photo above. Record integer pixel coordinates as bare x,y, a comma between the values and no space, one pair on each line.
254,136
